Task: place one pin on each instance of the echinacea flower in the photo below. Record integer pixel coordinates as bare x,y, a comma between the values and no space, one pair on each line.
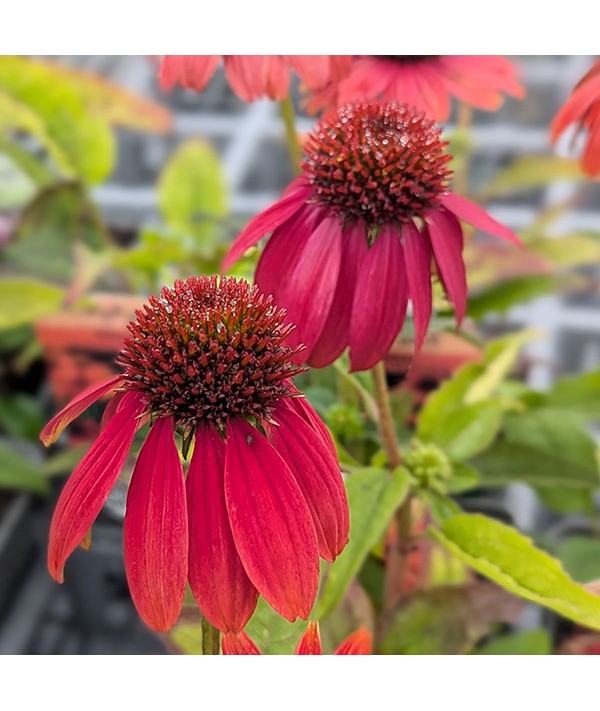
426,82
250,76
359,642
355,236
209,361
583,108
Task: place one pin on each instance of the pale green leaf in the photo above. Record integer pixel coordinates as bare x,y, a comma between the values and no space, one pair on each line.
499,298
271,632
23,301
581,558
373,496
469,430
510,559
568,250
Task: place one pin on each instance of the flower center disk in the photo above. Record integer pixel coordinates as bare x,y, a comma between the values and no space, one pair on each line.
377,163
207,350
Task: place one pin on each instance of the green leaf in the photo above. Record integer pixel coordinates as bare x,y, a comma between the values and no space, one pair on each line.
187,638
469,430
568,250
442,508
191,189
60,217
499,358
79,142
581,558
21,416
563,500
63,462
447,620
545,447
18,472
499,298
373,496
272,633
25,300
463,477
510,559
526,642
580,394
532,172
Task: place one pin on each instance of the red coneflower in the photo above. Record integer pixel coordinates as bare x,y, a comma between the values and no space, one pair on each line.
583,108
263,496
353,238
250,76
424,81
359,642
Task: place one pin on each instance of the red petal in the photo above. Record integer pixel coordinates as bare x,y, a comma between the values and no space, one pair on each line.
247,75
417,252
79,404
217,577
359,642
310,642
308,293
277,82
318,475
191,71
155,530
238,643
447,242
475,215
301,406
577,104
90,484
335,335
380,299
271,523
313,69
267,221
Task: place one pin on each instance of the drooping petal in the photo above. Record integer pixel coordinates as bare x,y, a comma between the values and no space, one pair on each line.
335,335
217,577
310,642
308,293
191,71
475,215
271,523
267,221
281,253
574,109
90,484
277,77
238,643
301,406
247,75
318,475
447,243
417,252
155,530
112,407
313,69
359,642
79,404
380,299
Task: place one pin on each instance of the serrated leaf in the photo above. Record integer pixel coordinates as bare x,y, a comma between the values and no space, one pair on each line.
82,144
22,301
19,473
526,642
373,496
544,447
532,172
191,189
499,298
510,559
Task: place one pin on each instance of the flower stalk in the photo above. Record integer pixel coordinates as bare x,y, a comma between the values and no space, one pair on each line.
291,134
211,638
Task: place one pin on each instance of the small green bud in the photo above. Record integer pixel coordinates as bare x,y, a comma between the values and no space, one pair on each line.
429,465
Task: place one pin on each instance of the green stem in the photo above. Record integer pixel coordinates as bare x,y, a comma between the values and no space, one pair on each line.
397,558
291,135
211,638
387,430
461,174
